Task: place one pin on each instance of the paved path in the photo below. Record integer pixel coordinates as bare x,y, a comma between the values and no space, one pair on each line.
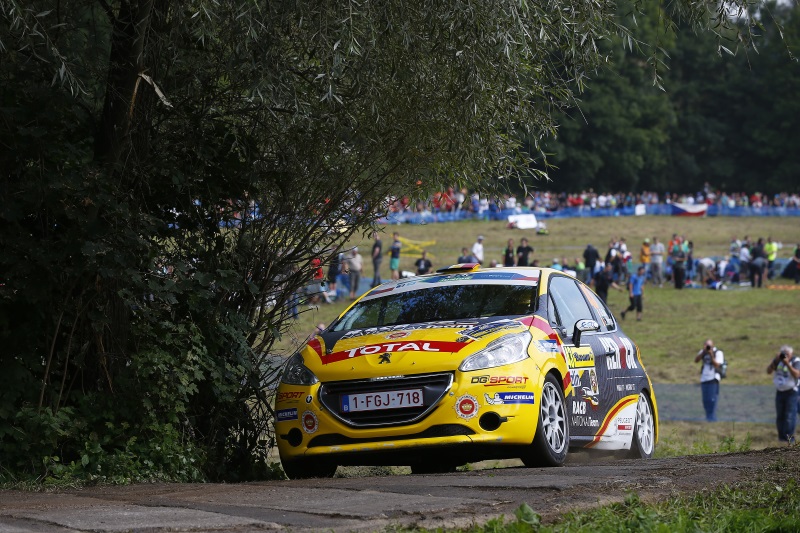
372,503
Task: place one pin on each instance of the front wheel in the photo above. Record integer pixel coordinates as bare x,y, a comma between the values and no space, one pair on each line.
644,432
551,441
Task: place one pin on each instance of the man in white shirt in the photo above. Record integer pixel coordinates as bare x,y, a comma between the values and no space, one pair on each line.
477,249
657,252
712,358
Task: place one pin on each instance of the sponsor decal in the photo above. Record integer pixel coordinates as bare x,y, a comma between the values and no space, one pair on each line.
496,381
467,406
612,416
406,328
627,387
585,421
483,276
310,422
548,346
619,355
579,358
309,398
284,415
589,397
624,423
593,381
487,329
291,395
389,347
398,335
503,398
598,307
578,408
385,358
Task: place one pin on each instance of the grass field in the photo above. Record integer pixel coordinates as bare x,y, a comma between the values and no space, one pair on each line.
749,325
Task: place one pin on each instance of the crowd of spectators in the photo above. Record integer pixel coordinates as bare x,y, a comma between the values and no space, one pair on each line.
454,200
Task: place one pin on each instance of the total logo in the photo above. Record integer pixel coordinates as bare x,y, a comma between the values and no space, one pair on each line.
389,347
467,406
310,422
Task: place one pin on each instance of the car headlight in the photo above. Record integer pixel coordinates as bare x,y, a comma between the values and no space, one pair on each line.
296,373
503,351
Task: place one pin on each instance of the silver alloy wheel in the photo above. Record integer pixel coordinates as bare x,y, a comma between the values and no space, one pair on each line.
554,421
645,427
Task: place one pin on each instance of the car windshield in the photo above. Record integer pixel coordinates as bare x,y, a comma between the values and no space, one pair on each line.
442,303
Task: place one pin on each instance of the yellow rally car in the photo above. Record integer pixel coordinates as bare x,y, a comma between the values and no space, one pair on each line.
463,365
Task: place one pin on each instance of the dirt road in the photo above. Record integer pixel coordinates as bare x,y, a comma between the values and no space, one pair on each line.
372,503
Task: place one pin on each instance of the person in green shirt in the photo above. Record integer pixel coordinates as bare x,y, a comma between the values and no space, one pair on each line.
771,250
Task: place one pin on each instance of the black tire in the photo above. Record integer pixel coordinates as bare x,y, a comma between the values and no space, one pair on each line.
433,467
644,430
304,469
551,442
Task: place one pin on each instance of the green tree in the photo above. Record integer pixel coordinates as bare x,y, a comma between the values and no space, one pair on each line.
614,137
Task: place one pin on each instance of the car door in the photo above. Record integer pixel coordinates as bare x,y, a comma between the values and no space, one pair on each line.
589,401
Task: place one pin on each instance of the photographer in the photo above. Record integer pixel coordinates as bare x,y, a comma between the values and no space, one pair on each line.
712,358
786,368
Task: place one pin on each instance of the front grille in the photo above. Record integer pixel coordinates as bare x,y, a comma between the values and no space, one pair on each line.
443,430
434,387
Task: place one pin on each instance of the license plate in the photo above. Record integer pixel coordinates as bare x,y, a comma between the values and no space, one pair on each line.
373,401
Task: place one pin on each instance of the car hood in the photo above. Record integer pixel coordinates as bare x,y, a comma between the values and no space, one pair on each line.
402,349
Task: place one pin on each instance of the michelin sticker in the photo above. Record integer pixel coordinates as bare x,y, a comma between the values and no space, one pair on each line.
286,414
503,398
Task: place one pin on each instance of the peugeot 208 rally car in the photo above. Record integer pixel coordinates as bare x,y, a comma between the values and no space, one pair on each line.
463,365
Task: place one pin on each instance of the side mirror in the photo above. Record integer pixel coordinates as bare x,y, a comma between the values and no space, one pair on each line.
580,327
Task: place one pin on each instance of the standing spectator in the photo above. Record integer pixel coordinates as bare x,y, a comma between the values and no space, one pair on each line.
423,264
377,259
509,258
355,266
602,281
580,269
556,265
712,359
786,369
758,263
636,293
657,253
477,249
678,254
334,267
796,259
771,249
465,256
524,251
644,255
394,256
590,256
744,261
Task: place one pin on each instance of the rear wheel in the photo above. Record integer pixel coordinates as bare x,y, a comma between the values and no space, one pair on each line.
304,469
644,433
551,441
